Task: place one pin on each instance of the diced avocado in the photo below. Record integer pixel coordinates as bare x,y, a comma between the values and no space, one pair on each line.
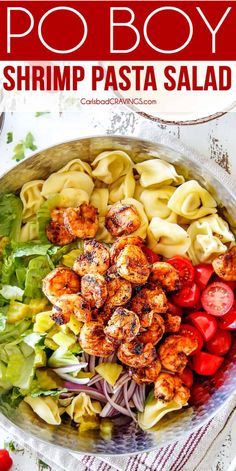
54,330
75,348
90,422
17,312
43,322
64,340
109,371
50,344
69,259
74,325
38,305
40,359
47,379
106,427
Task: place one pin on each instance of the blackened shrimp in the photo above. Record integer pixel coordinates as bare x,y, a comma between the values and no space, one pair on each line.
172,322
132,264
82,222
119,290
166,275
59,282
123,325
148,301
155,332
56,230
122,219
70,304
148,374
225,265
94,341
121,243
174,351
94,289
95,259
169,387
136,354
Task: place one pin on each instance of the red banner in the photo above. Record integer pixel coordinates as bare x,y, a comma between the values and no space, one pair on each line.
113,30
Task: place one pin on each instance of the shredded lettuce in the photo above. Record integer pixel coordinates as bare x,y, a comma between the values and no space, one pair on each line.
11,216
62,357
38,268
12,292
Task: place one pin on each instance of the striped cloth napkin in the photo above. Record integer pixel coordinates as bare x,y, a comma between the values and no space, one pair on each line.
195,453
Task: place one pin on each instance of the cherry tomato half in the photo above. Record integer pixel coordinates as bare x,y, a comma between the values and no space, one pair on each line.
206,364
184,268
191,331
217,298
175,310
5,461
187,297
228,321
204,322
151,256
199,394
203,273
231,284
220,343
187,377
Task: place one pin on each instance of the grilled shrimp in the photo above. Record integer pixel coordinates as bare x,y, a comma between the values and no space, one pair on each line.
94,289
59,282
56,231
136,354
155,332
225,265
119,290
123,325
174,351
172,322
70,304
146,302
94,341
148,374
122,219
82,222
166,275
169,387
121,243
95,259
132,264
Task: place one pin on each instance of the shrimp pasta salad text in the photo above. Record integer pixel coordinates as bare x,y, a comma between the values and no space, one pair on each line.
117,292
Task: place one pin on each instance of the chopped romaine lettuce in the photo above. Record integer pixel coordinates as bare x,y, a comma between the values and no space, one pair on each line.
27,249
33,339
12,292
3,320
56,253
11,216
14,331
50,392
4,382
8,267
20,370
62,357
38,268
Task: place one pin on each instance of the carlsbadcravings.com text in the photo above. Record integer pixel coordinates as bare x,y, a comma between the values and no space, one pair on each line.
123,78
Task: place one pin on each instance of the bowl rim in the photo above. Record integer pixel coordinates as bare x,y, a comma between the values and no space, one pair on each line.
179,148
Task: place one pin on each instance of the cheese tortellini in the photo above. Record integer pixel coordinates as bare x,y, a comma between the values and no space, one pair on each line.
46,408
82,405
191,201
29,231
111,165
208,238
76,165
122,188
31,198
57,182
99,199
155,202
166,238
157,172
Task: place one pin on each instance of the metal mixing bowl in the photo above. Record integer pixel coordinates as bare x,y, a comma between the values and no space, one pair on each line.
213,392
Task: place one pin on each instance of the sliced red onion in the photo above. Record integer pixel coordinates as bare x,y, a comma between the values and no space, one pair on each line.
121,409
137,400
90,391
94,379
91,363
70,378
70,368
121,381
126,398
108,410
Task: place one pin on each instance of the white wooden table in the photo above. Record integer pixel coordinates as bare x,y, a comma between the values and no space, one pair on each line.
214,139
